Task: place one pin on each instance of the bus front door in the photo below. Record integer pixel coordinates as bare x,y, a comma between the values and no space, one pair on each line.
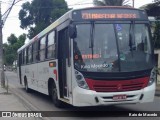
62,62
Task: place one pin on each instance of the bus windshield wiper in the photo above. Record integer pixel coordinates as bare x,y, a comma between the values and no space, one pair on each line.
91,42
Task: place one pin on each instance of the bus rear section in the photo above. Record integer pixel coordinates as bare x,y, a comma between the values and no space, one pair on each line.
112,57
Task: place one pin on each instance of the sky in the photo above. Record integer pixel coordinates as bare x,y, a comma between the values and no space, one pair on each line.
12,24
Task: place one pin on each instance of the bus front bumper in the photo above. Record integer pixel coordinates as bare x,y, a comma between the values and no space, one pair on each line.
83,97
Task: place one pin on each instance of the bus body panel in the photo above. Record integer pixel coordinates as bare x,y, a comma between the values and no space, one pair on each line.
44,73
38,75
30,73
82,97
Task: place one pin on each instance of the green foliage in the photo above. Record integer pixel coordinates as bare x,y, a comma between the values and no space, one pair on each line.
152,9
9,58
110,2
22,38
25,21
10,50
12,39
38,14
157,35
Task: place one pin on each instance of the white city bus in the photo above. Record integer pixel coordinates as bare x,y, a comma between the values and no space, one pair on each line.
92,56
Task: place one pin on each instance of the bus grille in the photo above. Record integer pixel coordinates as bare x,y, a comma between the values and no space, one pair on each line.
117,85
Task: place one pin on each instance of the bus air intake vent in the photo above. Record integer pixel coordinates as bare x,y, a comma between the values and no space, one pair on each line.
117,85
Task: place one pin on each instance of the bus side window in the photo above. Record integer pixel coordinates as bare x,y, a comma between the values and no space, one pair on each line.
27,55
42,48
23,57
35,51
30,54
51,45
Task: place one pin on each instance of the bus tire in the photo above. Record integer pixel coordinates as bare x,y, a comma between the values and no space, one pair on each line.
26,86
54,96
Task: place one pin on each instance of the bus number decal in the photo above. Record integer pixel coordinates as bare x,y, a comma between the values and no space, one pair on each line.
95,66
88,56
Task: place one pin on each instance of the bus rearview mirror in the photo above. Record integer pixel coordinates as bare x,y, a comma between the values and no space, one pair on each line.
72,31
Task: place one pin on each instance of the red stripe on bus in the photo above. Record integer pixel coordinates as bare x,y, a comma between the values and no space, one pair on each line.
117,85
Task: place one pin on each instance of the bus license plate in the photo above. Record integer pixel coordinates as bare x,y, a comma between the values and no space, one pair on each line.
119,97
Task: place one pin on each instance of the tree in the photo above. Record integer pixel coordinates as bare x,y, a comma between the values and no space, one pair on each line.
38,14
153,9
110,2
20,42
156,36
10,50
12,39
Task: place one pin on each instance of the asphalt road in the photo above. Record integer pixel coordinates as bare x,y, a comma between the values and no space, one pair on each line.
36,101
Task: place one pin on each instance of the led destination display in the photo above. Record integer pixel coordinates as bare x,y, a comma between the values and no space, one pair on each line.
109,14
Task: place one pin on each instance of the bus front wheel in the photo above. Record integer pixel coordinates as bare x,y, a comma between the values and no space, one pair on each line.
54,96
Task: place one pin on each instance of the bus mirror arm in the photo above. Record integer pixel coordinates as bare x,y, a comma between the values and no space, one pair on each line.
72,31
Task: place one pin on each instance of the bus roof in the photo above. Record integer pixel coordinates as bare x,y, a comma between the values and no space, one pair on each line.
65,17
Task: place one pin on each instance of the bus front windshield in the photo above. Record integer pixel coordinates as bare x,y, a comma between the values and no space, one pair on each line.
112,47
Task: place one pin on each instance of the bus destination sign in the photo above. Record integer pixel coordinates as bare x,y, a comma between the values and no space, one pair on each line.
109,14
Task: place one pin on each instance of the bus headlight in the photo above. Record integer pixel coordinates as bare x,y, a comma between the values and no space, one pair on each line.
152,77
80,80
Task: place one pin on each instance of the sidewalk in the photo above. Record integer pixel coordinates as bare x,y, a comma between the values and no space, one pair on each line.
8,102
